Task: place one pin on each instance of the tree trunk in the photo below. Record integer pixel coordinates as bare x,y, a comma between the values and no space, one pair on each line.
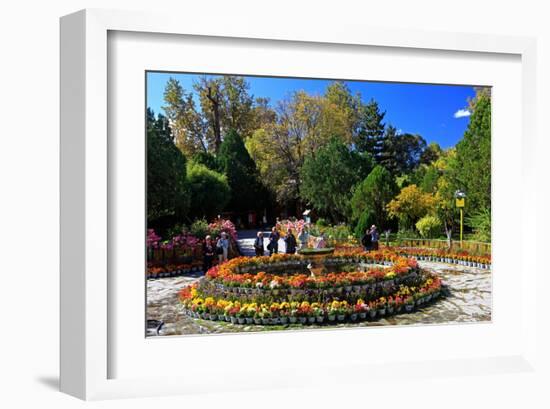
216,125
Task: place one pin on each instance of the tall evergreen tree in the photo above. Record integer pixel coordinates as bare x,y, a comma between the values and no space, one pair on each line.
372,196
370,129
471,169
247,192
166,171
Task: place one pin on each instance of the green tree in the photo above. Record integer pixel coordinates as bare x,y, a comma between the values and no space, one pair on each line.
471,169
328,178
365,221
370,129
401,153
432,153
166,192
372,196
208,189
247,193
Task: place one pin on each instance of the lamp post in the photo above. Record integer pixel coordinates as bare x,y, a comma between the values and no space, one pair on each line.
460,197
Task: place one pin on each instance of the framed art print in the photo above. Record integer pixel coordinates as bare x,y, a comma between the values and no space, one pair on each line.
240,200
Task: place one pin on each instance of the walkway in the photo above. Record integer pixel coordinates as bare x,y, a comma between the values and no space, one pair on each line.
246,242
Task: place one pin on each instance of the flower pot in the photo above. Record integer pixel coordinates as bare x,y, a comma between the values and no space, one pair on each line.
311,320
257,321
320,319
240,320
221,317
362,315
233,320
302,320
390,310
332,318
214,317
382,312
372,314
284,320
356,288
353,317
348,288
292,320
248,320
340,317
409,307
265,321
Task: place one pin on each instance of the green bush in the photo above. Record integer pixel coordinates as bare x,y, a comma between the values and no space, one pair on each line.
200,229
429,227
209,191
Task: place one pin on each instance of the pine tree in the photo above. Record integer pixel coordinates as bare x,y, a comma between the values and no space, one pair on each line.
370,132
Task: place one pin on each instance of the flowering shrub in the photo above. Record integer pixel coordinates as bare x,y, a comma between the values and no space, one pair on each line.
183,251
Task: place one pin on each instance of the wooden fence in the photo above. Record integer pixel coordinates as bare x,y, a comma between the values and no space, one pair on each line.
475,247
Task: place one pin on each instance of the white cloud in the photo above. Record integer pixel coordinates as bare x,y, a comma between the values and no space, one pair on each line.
461,113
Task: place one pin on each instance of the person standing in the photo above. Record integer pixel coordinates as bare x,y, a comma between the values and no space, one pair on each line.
222,247
374,236
303,237
273,245
208,252
259,244
366,240
290,242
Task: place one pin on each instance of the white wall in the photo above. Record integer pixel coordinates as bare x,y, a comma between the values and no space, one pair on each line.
29,82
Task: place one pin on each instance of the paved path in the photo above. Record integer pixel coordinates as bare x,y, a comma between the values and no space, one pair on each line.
246,242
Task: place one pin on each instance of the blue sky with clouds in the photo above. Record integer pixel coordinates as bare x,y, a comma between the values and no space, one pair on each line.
437,112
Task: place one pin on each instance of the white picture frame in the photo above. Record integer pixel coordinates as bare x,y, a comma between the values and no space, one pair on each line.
85,223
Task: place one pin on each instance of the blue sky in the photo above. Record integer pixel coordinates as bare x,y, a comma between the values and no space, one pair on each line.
434,111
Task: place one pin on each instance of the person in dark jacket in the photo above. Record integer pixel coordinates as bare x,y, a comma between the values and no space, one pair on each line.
366,240
273,245
259,244
290,242
208,250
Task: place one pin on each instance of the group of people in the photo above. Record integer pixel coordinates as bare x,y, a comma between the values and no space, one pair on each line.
273,242
211,248
370,239
220,246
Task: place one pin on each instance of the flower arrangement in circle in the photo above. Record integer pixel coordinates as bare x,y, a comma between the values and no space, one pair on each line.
284,296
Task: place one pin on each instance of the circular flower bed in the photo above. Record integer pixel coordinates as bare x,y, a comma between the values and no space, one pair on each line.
280,289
